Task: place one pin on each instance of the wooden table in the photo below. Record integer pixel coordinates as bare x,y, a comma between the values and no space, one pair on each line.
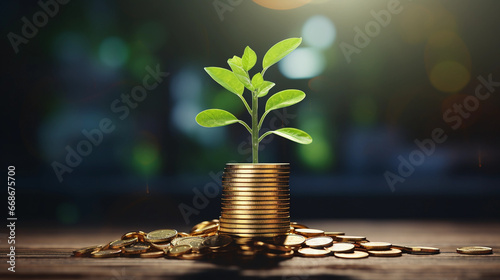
45,254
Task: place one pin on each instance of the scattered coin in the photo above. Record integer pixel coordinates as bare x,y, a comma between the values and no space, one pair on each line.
309,232
376,245
419,250
319,241
137,248
385,253
108,253
218,241
291,240
120,243
87,251
155,254
341,248
475,250
353,255
139,234
178,250
334,233
313,252
350,238
161,235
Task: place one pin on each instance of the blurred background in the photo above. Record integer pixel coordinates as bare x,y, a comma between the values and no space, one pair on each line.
380,77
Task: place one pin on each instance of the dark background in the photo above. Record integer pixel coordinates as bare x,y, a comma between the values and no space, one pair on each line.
362,115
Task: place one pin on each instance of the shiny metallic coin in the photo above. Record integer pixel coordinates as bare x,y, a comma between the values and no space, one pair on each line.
258,165
182,234
334,233
137,248
218,241
192,256
255,202
255,221
188,240
161,246
353,255
122,243
246,209
272,247
155,254
139,234
256,216
309,232
108,253
87,251
350,238
313,252
401,247
206,229
178,250
256,235
252,226
319,241
256,194
422,250
283,255
475,250
258,175
161,235
279,172
255,230
201,225
254,185
341,248
385,253
376,245
291,240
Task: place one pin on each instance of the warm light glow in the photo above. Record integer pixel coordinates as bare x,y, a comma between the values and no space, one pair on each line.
282,4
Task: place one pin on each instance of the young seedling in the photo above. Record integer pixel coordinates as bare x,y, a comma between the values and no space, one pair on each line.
238,79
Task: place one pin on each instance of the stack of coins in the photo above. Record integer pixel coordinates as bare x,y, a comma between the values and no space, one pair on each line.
255,200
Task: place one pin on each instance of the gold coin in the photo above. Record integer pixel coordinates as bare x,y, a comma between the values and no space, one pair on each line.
313,252
376,245
225,185
255,180
161,246
350,238
283,255
272,247
249,209
385,253
242,196
194,241
108,253
273,215
120,243
192,256
252,226
405,249
206,229
475,250
353,255
254,231
341,248
279,172
87,251
334,233
178,250
258,165
291,240
182,234
137,248
155,254
309,232
254,221
201,225
218,241
420,250
161,235
256,235
319,241
255,202
139,234
251,194
250,175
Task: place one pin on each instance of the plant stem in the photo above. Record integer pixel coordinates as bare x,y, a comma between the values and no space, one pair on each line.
255,128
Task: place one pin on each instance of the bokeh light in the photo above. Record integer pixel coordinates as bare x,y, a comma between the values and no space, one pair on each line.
113,52
146,157
364,111
319,31
67,213
303,63
449,76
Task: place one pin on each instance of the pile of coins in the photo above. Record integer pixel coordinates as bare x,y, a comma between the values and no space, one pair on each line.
255,200
205,241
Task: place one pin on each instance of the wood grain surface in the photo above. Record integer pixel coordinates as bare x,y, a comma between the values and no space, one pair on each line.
46,254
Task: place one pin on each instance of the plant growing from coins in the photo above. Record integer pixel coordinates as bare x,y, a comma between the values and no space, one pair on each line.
238,79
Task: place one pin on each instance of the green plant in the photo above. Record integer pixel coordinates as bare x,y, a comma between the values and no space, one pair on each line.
238,79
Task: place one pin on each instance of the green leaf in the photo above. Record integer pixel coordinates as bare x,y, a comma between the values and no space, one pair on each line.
226,78
264,88
236,65
284,98
249,59
294,134
215,118
279,50
257,80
